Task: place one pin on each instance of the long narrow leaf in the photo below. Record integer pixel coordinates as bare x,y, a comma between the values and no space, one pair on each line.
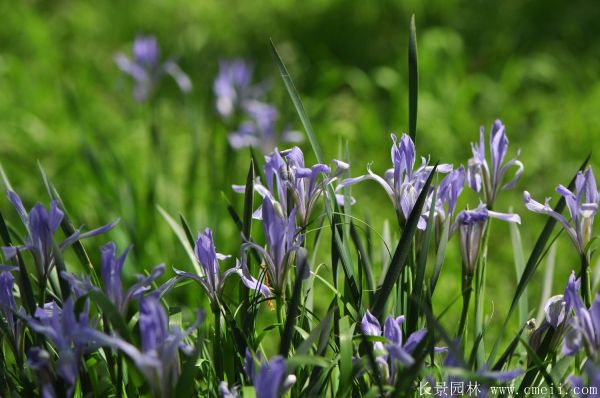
413,80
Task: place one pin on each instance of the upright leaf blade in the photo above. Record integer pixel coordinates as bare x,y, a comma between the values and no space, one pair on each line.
413,80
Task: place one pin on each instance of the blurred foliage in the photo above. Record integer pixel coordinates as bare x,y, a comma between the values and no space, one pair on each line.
535,65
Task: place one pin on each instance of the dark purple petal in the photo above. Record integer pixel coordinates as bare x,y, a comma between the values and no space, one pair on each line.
153,323
392,331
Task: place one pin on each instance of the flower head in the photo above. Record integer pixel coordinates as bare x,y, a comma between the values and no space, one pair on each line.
582,205
213,281
402,183
470,224
584,326
486,178
41,227
147,70
270,378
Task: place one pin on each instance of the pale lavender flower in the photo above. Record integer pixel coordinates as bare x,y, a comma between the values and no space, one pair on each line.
582,205
146,68
213,281
482,177
592,387
270,378
470,224
584,326
286,174
41,227
449,190
228,392
233,87
396,351
402,183
282,241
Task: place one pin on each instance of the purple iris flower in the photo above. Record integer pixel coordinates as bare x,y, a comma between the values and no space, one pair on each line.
8,305
402,183
38,360
396,351
68,335
490,180
470,224
582,205
41,227
270,378
449,190
282,241
111,272
483,377
228,392
158,359
233,87
555,319
259,129
146,69
591,389
286,174
584,326
213,281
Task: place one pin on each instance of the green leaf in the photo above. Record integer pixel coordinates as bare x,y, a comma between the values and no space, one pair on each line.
322,329
346,332
291,89
187,230
402,250
413,80
290,320
183,238
519,258
421,264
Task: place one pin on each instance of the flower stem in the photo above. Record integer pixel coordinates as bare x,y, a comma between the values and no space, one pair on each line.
480,294
467,289
217,349
585,280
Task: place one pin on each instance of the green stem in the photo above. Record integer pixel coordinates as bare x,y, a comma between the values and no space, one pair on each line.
585,280
467,289
217,349
279,308
480,294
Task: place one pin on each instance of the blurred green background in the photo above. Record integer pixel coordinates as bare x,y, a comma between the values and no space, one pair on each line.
64,103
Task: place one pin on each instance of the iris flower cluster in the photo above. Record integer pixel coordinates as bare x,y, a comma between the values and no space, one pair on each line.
239,100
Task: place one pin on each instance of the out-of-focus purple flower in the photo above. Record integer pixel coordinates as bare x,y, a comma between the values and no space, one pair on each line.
68,335
233,87
8,305
38,360
470,224
584,326
402,183
270,378
213,281
582,205
395,352
41,227
147,70
490,180
282,240
592,387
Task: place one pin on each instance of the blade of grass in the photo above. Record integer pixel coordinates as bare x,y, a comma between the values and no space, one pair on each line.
183,238
290,320
413,80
